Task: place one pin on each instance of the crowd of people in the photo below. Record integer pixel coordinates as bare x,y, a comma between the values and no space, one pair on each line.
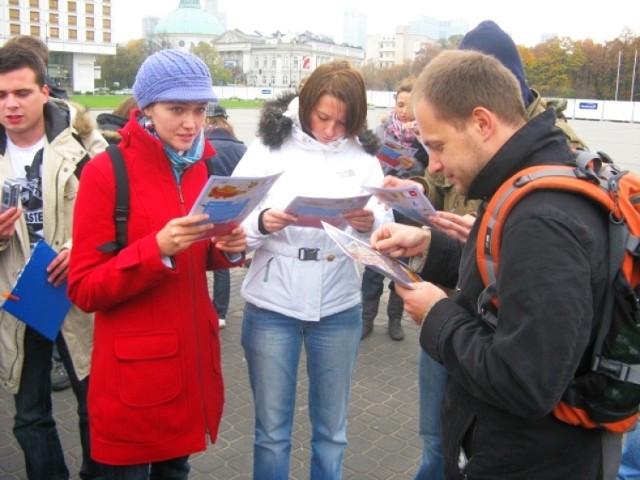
141,342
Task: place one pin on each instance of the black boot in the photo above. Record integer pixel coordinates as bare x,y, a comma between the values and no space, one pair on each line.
369,312
395,308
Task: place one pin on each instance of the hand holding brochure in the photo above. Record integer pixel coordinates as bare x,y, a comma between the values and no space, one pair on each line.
409,201
34,300
229,200
358,250
312,212
391,152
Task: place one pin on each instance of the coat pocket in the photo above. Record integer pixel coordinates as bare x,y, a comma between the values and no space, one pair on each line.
148,369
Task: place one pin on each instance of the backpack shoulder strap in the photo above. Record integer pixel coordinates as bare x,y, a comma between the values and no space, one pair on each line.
550,177
121,213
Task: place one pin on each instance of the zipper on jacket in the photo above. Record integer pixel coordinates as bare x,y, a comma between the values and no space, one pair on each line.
194,318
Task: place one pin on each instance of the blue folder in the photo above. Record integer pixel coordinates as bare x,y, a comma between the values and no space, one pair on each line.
36,301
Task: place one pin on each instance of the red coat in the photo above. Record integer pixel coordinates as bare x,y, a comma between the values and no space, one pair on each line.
156,383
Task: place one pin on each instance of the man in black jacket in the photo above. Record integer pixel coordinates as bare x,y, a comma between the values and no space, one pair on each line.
504,382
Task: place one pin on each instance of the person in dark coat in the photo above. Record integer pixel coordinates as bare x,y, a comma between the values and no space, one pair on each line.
505,379
229,151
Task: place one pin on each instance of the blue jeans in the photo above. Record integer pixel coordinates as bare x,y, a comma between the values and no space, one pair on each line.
432,381
272,346
221,291
34,426
630,465
175,469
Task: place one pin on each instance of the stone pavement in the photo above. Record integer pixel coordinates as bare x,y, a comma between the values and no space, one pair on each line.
382,421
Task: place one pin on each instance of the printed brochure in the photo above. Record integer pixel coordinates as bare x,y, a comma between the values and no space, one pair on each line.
361,252
409,201
229,200
311,212
391,152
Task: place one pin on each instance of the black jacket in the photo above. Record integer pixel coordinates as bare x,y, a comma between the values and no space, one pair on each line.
551,281
229,151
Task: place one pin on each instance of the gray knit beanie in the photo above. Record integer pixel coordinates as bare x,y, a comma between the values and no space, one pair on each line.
172,76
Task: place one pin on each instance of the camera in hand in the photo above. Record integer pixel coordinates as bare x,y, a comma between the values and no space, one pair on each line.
10,194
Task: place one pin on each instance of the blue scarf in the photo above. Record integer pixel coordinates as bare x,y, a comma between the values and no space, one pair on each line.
179,161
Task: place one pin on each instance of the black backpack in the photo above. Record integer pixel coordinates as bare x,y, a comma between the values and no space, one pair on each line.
121,212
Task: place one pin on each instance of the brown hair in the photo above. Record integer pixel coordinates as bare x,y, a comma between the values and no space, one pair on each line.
406,85
125,107
34,44
342,81
455,82
221,122
15,56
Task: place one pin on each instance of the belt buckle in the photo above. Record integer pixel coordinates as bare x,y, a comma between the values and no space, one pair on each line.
306,254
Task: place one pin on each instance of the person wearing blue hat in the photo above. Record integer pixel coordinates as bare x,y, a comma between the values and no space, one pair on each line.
158,391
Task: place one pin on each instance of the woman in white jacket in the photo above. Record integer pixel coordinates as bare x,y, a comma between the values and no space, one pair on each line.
301,290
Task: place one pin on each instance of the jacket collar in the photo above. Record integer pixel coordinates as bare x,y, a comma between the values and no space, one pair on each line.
137,137
538,142
56,120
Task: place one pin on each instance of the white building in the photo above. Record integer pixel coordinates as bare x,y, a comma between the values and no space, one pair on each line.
385,52
354,28
279,60
74,30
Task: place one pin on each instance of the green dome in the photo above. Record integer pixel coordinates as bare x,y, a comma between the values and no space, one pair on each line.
189,18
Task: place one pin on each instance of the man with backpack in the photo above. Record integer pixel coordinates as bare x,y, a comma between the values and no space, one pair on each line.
42,146
506,377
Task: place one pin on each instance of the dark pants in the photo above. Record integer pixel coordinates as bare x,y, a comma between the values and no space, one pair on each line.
34,426
175,469
221,291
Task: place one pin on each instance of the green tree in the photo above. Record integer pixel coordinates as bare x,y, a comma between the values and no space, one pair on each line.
210,56
119,70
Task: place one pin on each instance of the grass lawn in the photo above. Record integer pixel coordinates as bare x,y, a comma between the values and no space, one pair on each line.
109,102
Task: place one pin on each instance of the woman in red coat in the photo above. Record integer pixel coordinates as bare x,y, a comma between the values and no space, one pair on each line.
156,384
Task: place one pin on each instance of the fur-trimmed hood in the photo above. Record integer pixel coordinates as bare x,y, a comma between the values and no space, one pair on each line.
276,124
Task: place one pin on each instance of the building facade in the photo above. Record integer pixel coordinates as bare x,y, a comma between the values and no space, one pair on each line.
354,28
76,31
279,60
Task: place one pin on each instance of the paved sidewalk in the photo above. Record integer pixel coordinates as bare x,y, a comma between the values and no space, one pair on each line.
382,423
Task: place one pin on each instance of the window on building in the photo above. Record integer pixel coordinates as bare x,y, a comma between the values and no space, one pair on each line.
34,3
73,34
14,2
106,10
256,62
106,37
53,18
14,14
88,8
34,16
273,62
54,32
73,20
90,35
71,6
53,4
34,30
106,23
14,29
89,21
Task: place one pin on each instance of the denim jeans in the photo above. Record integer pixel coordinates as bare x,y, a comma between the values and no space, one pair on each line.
630,466
272,345
34,426
221,291
174,469
432,381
